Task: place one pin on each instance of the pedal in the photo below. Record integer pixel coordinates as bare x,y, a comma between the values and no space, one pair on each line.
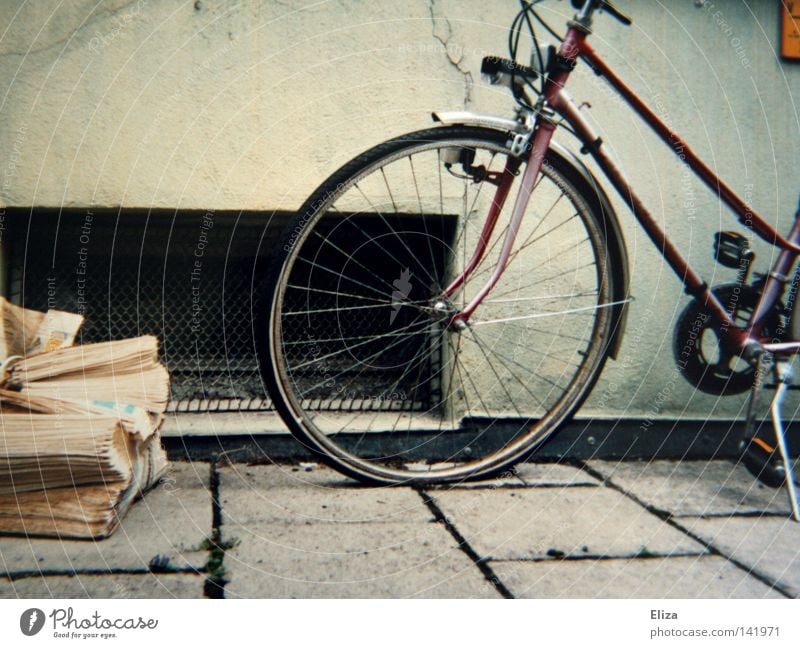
730,248
763,462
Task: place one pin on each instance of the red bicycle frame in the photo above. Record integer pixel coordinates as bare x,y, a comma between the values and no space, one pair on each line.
573,48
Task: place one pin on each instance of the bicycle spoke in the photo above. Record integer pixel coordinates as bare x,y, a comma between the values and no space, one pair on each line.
540,376
509,360
398,237
498,238
344,371
335,293
339,275
475,200
437,287
499,295
553,255
545,354
474,387
494,371
453,366
410,365
585,293
388,190
549,314
559,334
326,240
557,275
345,309
398,334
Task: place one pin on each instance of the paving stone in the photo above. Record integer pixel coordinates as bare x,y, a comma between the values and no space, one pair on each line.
677,577
571,521
507,478
554,474
694,487
105,587
768,545
534,474
350,560
295,475
252,494
172,521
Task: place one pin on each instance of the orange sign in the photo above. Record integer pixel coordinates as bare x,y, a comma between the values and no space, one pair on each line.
790,29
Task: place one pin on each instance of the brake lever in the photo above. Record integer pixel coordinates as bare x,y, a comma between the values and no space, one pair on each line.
605,5
612,10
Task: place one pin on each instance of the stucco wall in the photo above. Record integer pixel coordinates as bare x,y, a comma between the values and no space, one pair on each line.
248,105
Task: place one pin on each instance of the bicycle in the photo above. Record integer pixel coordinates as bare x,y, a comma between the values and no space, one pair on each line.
411,339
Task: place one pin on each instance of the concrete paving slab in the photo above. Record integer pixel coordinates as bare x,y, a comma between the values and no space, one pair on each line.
118,586
569,521
769,545
354,560
252,494
171,521
694,487
677,577
507,478
290,475
541,474
535,474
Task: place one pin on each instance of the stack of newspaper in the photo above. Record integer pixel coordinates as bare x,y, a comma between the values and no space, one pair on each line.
79,425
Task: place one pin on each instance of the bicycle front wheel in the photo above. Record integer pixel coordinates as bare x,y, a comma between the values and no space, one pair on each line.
359,360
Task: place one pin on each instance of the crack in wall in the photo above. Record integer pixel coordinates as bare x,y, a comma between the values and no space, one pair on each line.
101,16
445,41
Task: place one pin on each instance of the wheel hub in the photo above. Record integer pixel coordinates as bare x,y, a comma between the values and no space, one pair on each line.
445,310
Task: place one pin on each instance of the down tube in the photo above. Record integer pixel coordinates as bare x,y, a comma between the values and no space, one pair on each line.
695,285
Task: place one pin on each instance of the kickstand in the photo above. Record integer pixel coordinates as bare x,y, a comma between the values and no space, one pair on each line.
755,390
783,377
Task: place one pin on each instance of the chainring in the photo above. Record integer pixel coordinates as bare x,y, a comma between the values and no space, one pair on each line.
702,356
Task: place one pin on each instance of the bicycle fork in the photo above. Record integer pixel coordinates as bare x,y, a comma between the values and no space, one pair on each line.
541,142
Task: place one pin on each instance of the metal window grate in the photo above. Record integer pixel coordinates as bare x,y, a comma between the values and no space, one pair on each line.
184,277
188,278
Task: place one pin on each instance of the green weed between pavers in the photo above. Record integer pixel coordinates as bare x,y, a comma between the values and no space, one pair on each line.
644,552
215,567
160,564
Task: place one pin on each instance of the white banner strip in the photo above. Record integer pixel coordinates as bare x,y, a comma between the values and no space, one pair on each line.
399,623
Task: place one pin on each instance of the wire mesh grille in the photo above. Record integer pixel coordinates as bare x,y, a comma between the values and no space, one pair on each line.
184,277
188,278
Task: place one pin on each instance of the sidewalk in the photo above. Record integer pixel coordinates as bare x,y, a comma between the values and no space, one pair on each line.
602,529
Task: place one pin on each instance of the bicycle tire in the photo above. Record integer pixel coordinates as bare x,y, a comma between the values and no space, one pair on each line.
337,226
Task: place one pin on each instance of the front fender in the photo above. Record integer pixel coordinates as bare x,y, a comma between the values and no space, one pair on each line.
568,163
466,118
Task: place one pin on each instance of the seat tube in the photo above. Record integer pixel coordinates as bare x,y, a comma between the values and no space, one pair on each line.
541,142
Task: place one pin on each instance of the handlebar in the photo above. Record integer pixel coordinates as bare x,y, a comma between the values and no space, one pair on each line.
603,5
